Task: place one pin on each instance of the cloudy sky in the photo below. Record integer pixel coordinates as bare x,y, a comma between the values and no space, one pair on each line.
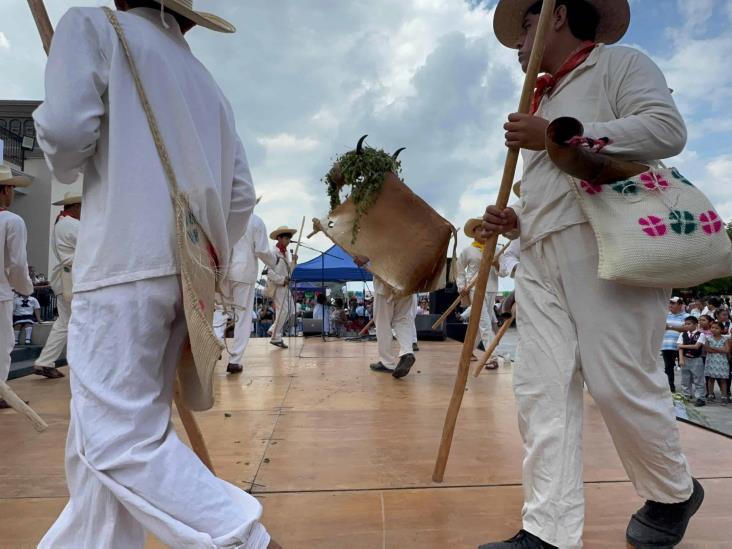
308,77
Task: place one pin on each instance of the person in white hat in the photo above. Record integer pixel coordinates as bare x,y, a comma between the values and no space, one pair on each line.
63,246
468,265
241,280
621,98
127,469
14,274
278,282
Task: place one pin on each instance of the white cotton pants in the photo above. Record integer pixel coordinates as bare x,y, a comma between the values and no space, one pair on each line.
575,328
7,338
487,319
57,337
415,305
393,313
126,468
242,295
284,310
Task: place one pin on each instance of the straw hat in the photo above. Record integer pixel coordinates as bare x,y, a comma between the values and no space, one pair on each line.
283,229
208,20
509,18
471,225
68,199
517,188
7,178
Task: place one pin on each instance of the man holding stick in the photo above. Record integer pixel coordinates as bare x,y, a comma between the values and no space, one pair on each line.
278,278
617,93
127,470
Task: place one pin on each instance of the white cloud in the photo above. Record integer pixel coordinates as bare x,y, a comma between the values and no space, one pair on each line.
4,42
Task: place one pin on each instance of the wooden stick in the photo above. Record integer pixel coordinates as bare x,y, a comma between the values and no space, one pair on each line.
45,29
198,443
469,287
297,246
365,329
496,341
40,15
509,170
9,396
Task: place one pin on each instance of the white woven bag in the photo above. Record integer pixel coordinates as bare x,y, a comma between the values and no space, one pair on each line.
656,230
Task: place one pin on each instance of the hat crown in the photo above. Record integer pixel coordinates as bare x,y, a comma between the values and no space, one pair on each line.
5,172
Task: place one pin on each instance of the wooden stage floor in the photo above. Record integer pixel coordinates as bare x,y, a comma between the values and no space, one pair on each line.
342,457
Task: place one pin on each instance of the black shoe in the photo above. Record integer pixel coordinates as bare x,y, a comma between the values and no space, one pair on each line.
3,404
657,525
522,540
379,367
415,347
700,402
405,364
234,368
280,344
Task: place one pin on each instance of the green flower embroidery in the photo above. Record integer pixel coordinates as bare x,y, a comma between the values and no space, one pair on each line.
680,177
682,222
625,187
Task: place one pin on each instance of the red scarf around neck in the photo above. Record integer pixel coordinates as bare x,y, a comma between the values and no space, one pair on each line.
546,82
64,213
282,248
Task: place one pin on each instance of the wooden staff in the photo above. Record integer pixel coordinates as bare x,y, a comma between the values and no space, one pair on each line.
469,287
509,170
297,246
365,329
45,29
9,396
496,341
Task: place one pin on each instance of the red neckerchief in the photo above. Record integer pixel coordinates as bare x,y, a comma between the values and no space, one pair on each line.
64,213
282,248
546,82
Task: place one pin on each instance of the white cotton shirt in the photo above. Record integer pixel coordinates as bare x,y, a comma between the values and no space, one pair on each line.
252,246
278,273
24,306
510,260
619,93
92,122
63,245
14,275
468,265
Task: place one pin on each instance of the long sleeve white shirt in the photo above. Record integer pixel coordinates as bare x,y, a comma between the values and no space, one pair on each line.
92,122
279,273
63,245
619,93
250,248
510,260
14,275
468,265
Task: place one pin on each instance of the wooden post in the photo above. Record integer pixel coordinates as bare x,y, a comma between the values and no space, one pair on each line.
9,396
40,15
504,193
496,341
366,328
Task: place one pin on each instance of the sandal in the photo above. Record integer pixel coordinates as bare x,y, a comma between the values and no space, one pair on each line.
280,344
47,371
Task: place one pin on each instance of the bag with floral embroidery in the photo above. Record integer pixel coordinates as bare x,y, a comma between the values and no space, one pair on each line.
656,230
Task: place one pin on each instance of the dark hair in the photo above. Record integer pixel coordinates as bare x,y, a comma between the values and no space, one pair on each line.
715,323
339,302
708,317
720,311
714,301
320,299
691,319
582,17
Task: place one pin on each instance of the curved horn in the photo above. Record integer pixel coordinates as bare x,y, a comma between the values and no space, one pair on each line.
579,162
359,146
396,153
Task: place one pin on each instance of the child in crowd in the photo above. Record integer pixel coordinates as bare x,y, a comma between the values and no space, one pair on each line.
338,318
26,312
723,319
691,343
717,365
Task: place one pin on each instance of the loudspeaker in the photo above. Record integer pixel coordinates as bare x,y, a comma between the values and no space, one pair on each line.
424,328
456,331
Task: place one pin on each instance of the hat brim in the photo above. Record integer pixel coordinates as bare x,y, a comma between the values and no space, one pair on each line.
471,225
508,20
17,181
67,201
279,232
202,18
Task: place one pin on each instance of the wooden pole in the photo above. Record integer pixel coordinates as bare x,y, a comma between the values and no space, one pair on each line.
9,396
297,246
189,421
365,329
457,301
496,341
509,170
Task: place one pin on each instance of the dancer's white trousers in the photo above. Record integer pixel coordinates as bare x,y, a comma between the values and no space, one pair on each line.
487,319
575,328
7,337
415,305
284,310
126,468
243,297
57,337
393,313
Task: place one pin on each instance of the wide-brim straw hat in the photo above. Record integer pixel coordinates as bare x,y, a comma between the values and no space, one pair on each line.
517,188
202,18
284,229
7,178
68,200
471,225
508,20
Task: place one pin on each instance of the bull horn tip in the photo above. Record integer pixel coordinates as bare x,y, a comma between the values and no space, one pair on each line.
359,146
396,153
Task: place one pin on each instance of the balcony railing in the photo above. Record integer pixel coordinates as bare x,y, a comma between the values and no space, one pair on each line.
13,148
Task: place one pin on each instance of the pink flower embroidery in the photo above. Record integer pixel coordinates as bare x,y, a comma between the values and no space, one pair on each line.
653,181
710,222
201,305
653,226
589,188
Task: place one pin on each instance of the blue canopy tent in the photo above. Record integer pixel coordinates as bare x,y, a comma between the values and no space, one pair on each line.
335,265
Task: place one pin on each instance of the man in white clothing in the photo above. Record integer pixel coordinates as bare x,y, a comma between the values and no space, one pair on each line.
127,470
279,283
63,245
240,285
619,95
415,307
393,316
14,274
468,265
